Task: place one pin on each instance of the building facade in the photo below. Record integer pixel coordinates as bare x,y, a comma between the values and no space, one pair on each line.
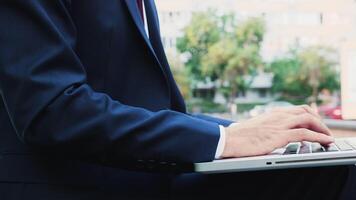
289,22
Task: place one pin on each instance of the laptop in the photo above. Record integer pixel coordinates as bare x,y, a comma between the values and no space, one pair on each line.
305,154
294,155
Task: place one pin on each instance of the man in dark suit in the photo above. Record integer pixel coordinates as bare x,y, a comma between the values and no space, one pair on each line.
89,110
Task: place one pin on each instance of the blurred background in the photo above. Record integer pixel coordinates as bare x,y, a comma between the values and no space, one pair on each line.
237,59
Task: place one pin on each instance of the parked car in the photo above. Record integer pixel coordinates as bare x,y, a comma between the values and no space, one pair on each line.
330,112
260,109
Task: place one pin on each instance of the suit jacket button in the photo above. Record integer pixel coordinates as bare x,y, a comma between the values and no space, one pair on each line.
173,165
140,164
150,165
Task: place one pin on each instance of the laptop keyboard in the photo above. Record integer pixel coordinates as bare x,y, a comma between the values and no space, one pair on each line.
309,147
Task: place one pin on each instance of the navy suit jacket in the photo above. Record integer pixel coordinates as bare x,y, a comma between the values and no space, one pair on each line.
81,83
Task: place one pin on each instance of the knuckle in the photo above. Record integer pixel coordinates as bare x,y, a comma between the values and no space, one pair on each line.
300,110
305,108
303,132
309,117
315,120
285,140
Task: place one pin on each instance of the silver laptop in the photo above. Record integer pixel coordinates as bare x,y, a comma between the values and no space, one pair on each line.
294,155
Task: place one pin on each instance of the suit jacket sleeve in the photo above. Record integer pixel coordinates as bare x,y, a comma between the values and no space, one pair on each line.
53,109
223,122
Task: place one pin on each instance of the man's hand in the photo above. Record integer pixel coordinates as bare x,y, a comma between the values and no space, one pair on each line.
273,130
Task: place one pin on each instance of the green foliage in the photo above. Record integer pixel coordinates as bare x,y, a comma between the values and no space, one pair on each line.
181,76
199,35
287,79
183,82
241,108
304,74
205,106
318,68
236,55
221,49
250,33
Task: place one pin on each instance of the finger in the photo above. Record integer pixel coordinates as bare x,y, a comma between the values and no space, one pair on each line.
300,135
310,122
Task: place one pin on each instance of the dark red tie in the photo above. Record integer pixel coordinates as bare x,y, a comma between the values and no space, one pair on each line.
140,7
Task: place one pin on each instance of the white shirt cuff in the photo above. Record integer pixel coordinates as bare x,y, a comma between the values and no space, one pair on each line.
221,144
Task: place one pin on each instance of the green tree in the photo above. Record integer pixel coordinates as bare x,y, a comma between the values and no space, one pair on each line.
181,75
305,73
250,33
202,32
287,81
235,55
318,68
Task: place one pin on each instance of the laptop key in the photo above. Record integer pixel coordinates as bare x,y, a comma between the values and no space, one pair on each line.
279,151
343,146
305,148
292,148
317,148
352,143
331,148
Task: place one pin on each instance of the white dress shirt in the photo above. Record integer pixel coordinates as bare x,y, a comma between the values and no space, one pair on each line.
221,144
145,19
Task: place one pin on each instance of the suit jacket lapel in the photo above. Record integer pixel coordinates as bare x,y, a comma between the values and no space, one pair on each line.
134,11
155,36
131,4
153,26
